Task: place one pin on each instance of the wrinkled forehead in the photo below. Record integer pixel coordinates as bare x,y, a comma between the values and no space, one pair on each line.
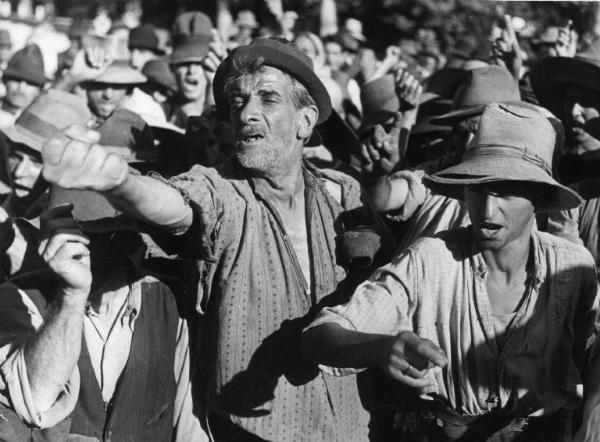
266,78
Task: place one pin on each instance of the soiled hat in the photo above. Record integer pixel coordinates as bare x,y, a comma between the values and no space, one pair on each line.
552,76
49,113
144,37
513,143
27,65
491,84
282,56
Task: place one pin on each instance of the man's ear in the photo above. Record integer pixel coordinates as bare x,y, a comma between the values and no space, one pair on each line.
308,119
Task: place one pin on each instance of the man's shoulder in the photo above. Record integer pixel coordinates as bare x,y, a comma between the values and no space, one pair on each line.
564,249
449,245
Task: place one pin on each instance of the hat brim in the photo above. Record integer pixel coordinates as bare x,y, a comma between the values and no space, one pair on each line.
456,116
29,77
484,169
426,127
19,134
551,77
277,58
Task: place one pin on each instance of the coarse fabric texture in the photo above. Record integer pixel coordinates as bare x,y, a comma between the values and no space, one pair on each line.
437,289
513,143
257,301
282,56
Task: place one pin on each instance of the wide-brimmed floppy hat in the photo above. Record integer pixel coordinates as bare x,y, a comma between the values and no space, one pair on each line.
513,143
119,72
28,65
280,55
482,86
552,76
52,111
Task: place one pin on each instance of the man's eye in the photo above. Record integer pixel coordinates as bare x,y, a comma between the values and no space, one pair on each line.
237,102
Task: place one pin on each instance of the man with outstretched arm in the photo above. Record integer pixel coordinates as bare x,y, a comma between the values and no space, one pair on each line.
488,323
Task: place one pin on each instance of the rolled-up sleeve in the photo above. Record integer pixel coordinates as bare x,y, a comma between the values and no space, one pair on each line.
384,304
20,319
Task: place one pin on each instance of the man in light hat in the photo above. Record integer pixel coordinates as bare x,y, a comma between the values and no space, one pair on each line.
276,238
143,46
246,27
488,323
106,91
24,79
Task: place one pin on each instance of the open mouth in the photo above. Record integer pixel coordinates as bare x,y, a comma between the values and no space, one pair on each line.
191,81
489,229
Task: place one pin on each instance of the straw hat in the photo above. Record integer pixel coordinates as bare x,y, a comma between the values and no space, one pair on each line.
513,143
491,84
552,76
50,112
120,72
277,54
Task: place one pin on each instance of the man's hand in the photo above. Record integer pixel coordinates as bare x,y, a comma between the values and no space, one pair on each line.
64,247
409,357
566,43
90,63
73,160
506,51
216,54
380,152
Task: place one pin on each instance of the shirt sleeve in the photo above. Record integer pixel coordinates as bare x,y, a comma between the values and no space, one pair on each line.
20,319
384,304
565,224
187,427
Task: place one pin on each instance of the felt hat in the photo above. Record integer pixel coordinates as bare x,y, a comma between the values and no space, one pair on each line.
491,84
27,65
49,113
379,102
144,37
191,37
354,27
158,71
120,72
513,143
445,82
246,18
552,76
280,55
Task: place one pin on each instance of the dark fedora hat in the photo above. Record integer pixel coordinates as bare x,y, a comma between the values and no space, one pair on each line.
27,65
490,84
280,55
514,142
144,37
445,82
157,71
191,37
552,76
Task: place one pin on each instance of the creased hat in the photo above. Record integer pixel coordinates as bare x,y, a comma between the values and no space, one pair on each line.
120,72
144,37
28,65
191,37
490,84
158,71
513,143
52,111
552,76
446,81
280,55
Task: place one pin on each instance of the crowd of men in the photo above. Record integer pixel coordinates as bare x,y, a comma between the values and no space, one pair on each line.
276,235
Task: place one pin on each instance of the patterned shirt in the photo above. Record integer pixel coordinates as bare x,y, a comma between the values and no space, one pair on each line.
257,302
437,288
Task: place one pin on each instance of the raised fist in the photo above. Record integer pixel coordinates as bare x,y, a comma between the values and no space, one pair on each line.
73,160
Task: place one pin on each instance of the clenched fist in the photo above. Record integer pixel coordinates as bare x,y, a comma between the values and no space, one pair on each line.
73,160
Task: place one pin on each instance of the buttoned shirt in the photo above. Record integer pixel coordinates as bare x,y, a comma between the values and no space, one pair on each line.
109,351
437,289
257,302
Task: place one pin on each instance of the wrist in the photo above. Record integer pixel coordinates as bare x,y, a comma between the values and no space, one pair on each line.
383,351
74,297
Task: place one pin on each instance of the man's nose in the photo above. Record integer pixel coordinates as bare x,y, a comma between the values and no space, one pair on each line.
490,205
107,93
577,112
23,168
249,111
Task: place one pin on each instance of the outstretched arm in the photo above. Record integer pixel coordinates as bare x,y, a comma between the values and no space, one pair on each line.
74,160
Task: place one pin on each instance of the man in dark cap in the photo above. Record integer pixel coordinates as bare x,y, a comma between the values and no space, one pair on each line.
143,46
487,324
24,79
276,236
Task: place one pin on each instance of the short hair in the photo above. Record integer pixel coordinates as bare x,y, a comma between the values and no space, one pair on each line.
244,66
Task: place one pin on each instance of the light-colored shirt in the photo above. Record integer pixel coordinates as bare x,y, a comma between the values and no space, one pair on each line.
437,289
108,359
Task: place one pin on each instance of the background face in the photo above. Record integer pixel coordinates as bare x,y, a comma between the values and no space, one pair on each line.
20,94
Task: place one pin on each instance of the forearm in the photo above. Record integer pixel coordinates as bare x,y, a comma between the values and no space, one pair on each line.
332,345
153,202
52,354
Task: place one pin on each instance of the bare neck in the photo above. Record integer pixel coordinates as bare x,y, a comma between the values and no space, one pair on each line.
510,261
283,186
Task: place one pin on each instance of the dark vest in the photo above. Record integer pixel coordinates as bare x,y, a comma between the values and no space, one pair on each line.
142,405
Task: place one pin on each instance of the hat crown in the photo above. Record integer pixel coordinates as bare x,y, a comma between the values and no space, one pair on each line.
518,129
27,64
192,23
143,36
490,84
246,18
379,95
